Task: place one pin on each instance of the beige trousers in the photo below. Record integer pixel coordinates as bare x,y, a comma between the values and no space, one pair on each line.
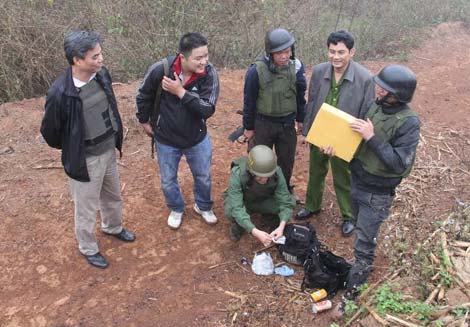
102,193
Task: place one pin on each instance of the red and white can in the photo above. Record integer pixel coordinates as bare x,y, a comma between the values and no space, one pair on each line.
321,306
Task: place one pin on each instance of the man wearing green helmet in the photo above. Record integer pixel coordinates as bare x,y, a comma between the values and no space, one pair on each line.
257,185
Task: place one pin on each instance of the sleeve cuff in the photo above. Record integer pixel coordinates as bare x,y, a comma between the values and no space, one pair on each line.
248,226
374,142
187,97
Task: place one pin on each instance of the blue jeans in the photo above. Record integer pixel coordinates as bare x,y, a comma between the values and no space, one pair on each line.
369,211
199,158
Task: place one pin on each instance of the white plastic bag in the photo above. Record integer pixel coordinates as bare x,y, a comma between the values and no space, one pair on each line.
263,264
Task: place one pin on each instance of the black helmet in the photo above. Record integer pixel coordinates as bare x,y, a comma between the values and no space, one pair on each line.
278,40
398,80
261,161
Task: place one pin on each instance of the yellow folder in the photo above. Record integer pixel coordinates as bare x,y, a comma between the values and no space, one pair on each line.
331,127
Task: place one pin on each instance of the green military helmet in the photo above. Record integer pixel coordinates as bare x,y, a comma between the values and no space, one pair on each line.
261,161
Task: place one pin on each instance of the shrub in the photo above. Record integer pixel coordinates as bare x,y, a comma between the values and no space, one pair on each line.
139,32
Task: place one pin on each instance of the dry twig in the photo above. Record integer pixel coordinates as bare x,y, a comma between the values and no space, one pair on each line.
400,321
221,264
376,315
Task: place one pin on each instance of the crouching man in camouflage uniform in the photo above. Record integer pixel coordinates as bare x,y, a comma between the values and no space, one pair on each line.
257,185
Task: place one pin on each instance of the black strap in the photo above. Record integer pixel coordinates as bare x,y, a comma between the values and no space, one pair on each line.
156,111
100,138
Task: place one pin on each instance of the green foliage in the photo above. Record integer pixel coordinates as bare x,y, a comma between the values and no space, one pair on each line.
401,245
388,300
114,25
446,277
362,288
460,311
445,259
334,325
350,307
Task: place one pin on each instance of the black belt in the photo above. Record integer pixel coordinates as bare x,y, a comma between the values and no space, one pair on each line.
289,118
101,138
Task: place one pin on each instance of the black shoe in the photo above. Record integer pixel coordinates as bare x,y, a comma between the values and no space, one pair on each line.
294,196
124,235
96,260
297,199
304,214
347,228
235,232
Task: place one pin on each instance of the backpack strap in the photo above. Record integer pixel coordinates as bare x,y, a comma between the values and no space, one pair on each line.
156,108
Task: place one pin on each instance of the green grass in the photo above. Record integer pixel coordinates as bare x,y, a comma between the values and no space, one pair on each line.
388,300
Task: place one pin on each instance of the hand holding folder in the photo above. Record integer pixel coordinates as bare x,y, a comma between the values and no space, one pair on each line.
331,127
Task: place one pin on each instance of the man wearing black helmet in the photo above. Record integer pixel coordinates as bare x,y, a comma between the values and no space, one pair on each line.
274,99
390,132
257,185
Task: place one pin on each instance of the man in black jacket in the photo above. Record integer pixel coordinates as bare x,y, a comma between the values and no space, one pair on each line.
188,98
82,120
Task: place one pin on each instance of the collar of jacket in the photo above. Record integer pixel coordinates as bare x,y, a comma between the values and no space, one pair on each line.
390,110
177,70
69,87
349,72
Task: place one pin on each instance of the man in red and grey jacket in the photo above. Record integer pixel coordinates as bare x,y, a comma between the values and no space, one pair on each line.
188,98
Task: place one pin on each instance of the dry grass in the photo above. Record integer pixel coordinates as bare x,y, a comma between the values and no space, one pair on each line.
138,32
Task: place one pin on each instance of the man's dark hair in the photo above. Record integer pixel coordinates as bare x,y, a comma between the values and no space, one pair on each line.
341,36
77,43
190,41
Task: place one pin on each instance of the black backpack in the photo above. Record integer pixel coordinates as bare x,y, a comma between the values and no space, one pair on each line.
336,264
324,269
300,238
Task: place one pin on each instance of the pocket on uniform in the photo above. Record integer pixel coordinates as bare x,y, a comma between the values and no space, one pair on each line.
380,202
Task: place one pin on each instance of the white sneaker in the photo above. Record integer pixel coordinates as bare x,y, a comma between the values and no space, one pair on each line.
174,219
208,216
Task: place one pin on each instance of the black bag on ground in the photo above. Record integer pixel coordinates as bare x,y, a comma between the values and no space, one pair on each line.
336,264
324,269
299,239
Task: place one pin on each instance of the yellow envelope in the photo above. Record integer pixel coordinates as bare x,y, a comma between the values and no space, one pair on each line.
331,127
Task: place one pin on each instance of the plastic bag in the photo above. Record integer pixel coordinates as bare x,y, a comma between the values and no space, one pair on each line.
263,264
284,271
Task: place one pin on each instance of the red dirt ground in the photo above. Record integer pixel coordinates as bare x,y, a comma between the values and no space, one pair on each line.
165,277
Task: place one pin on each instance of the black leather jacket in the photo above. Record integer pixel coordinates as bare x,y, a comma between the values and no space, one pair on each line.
63,123
182,122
